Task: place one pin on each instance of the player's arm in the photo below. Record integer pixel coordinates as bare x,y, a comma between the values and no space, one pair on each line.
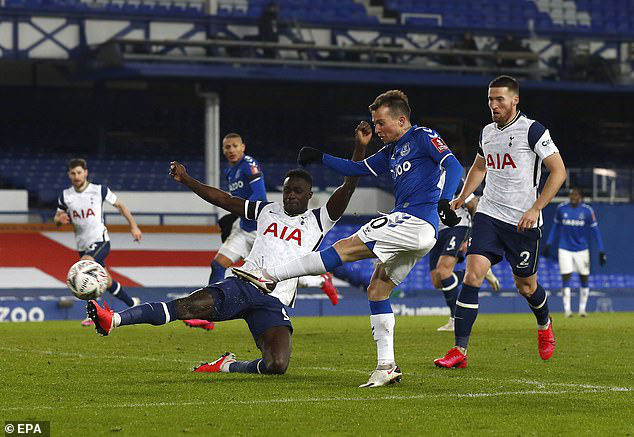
125,212
594,227
472,205
226,201
256,182
61,216
476,175
339,200
555,180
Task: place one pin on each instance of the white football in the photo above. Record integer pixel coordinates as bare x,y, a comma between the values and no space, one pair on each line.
87,279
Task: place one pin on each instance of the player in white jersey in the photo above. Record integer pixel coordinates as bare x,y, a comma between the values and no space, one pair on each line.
82,205
508,219
284,232
448,251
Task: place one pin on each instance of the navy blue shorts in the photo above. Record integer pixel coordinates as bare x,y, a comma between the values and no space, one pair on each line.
496,239
99,251
243,301
449,242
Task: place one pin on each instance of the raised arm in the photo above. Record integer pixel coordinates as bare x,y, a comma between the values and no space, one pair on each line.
209,194
339,200
374,165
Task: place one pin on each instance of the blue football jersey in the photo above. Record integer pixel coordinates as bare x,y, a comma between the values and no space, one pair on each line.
414,163
247,181
574,223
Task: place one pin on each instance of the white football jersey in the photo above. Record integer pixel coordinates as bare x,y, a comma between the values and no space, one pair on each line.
513,155
282,238
85,210
461,212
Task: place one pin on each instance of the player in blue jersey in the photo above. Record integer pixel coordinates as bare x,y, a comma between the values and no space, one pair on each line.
245,180
571,224
415,157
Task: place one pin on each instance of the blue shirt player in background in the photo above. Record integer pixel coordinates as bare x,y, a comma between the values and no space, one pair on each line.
416,157
571,224
245,180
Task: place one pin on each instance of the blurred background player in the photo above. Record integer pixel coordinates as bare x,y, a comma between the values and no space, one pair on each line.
571,223
82,205
449,251
508,220
414,156
284,232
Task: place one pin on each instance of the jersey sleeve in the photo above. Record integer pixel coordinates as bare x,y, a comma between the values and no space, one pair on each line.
376,164
108,196
61,203
253,209
480,151
593,216
557,218
253,170
434,145
258,190
540,141
323,219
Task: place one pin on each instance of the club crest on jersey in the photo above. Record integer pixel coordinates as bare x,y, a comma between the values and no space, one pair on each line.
500,163
511,141
405,150
81,214
284,234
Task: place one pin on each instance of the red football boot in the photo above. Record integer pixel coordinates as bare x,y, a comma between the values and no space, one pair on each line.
453,360
329,288
101,316
546,341
199,323
220,365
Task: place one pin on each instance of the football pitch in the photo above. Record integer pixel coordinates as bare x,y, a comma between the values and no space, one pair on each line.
138,381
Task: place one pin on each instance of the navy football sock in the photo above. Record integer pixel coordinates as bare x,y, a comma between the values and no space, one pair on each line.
460,275
255,366
117,291
217,272
450,290
154,313
466,313
538,302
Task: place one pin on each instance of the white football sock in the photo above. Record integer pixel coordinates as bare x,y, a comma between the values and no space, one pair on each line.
383,329
565,294
310,264
584,292
116,320
311,282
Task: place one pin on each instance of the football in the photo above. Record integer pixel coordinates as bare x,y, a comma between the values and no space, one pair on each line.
87,279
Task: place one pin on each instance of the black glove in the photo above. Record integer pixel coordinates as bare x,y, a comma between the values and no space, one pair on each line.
225,223
308,155
447,215
546,251
603,258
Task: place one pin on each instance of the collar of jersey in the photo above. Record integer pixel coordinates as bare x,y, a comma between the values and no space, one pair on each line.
517,116
405,136
77,191
231,167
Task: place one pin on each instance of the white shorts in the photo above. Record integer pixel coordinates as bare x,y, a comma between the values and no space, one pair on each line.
570,262
399,240
238,244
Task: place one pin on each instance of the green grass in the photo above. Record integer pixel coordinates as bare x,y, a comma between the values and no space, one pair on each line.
138,380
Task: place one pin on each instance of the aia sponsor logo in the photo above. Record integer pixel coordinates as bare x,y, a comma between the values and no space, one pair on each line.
500,162
82,214
284,233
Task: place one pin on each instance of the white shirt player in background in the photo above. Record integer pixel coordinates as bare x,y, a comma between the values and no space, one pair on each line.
82,206
508,218
284,232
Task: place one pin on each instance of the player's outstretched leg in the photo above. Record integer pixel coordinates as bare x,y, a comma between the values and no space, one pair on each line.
538,303
117,291
200,323
200,304
275,344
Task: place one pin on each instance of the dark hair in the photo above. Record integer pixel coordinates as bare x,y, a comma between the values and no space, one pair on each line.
396,101
232,135
77,162
577,189
299,173
506,81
